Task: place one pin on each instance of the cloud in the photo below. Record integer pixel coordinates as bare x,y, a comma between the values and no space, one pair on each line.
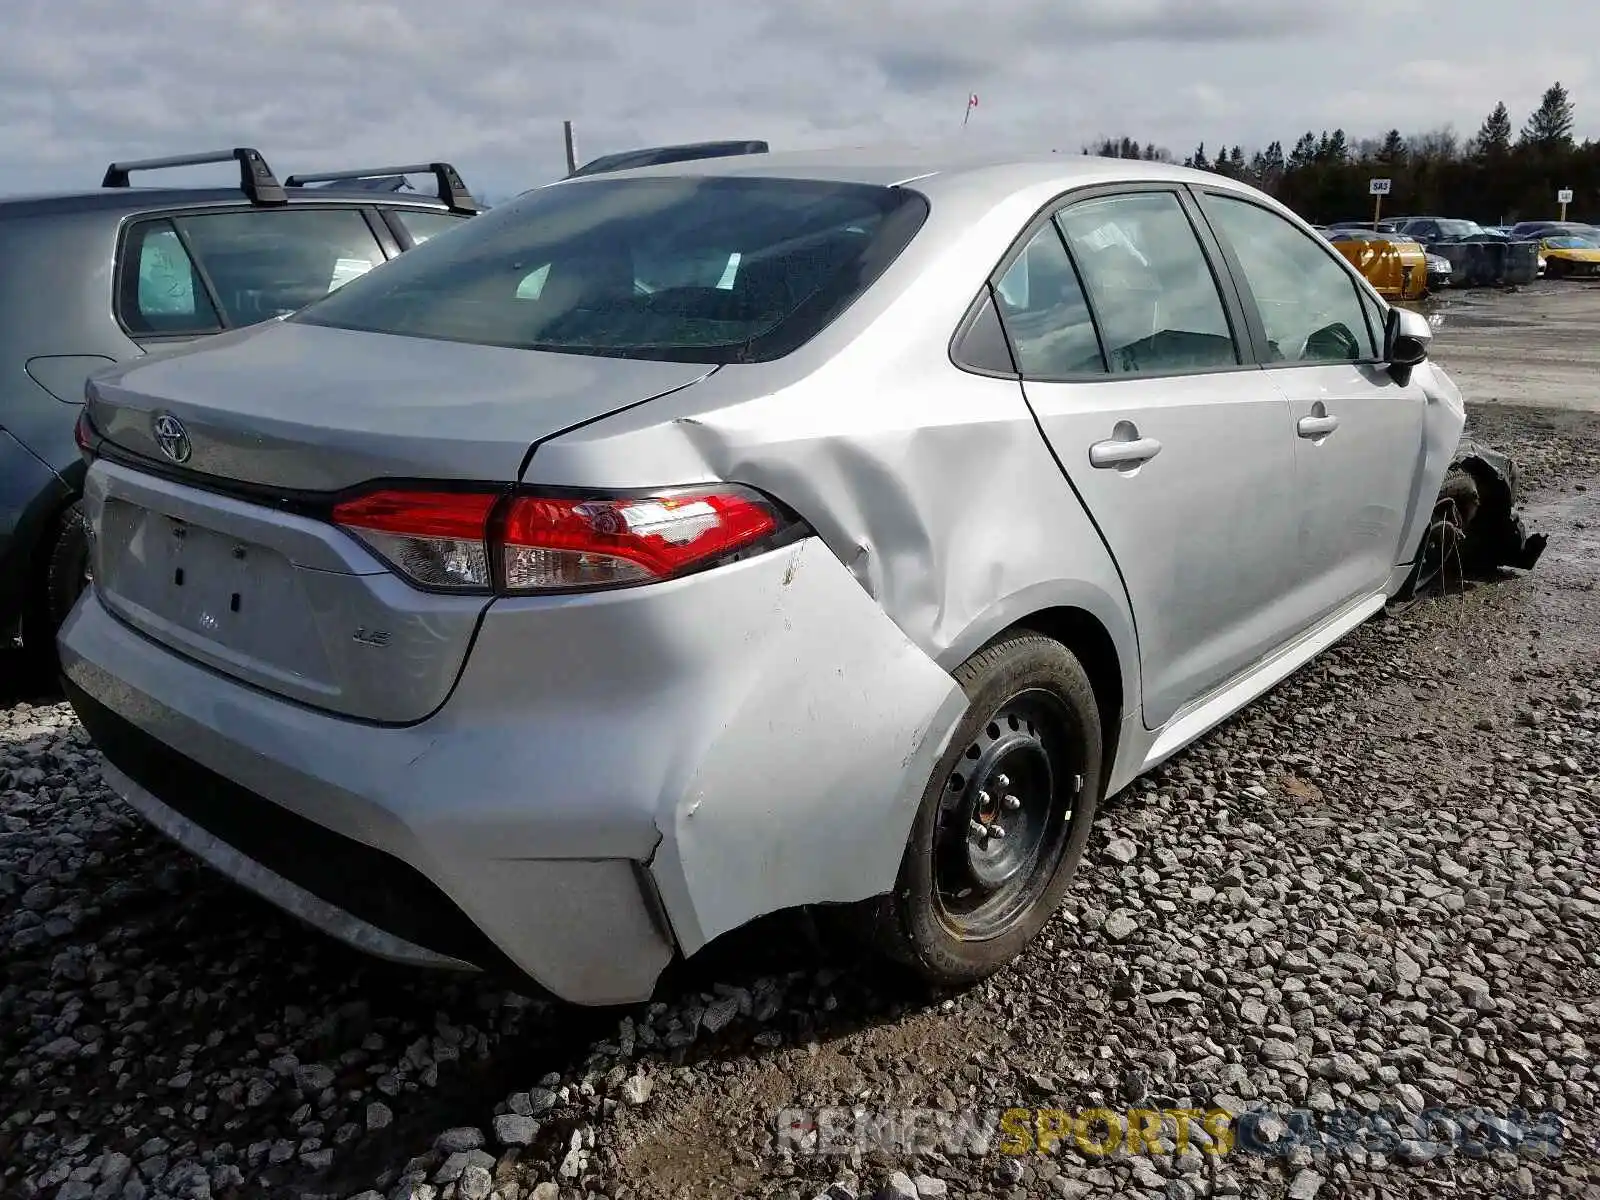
486,83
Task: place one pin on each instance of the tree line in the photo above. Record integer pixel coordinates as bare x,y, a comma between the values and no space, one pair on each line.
1498,175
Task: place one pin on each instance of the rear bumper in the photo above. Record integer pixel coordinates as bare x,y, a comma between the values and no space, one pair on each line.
615,778
304,809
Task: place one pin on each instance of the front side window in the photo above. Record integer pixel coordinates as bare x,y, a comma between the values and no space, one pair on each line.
1309,304
691,269
161,292
264,263
1045,313
1152,289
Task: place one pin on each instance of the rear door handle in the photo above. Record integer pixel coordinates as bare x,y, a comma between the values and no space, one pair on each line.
1315,427
1115,452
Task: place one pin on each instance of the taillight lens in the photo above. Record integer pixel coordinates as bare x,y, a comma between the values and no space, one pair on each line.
83,431
556,543
436,539
546,543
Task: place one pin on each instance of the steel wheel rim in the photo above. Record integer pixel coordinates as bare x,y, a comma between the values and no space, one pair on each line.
1005,816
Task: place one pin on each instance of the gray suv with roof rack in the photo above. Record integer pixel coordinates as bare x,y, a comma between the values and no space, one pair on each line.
97,277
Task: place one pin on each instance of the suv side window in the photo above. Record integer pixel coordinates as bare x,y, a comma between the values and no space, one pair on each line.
1154,295
1309,303
1044,311
161,293
423,225
267,262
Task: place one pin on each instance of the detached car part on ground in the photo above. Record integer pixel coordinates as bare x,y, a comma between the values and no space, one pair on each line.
98,277
800,531
1477,528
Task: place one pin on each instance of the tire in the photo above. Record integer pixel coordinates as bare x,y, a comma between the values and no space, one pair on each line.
1029,693
61,580
1439,559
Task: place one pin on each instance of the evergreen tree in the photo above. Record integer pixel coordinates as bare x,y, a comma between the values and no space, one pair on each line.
1304,153
1550,126
1393,150
1494,136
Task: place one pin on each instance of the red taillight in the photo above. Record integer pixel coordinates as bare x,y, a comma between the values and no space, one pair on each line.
83,431
552,543
436,539
547,543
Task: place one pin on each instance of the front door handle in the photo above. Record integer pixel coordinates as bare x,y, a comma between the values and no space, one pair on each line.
1118,452
1316,427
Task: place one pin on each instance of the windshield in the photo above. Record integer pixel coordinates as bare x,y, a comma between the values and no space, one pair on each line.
692,269
1571,241
1460,229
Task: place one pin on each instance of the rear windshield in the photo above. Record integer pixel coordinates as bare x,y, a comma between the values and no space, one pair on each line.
690,269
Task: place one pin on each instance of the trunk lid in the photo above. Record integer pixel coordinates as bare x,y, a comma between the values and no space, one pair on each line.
286,602
308,408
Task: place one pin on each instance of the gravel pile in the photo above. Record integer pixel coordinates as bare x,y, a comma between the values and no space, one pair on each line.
1376,890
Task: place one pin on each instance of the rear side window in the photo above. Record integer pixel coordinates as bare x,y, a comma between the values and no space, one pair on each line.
161,292
691,269
268,262
1042,304
423,225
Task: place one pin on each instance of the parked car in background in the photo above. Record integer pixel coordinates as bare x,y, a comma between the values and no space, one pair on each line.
1395,265
655,155
1563,255
101,276
1434,230
1533,230
670,547
1477,256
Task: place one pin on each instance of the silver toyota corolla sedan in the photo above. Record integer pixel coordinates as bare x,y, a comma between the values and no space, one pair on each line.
668,548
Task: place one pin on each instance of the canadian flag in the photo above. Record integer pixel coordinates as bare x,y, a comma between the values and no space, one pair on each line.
972,100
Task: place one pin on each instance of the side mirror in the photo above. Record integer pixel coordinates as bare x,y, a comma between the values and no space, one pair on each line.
1406,336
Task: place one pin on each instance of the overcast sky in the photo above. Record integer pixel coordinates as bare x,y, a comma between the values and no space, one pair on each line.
486,83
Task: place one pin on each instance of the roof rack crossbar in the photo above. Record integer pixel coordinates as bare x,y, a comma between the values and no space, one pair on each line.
451,188
256,179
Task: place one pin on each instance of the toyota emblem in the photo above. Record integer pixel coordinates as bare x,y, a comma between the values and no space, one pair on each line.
171,436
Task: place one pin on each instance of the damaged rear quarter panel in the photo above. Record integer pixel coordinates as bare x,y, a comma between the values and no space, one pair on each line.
950,521
806,783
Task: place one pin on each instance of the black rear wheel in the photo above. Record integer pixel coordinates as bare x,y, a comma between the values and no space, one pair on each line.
1004,818
65,573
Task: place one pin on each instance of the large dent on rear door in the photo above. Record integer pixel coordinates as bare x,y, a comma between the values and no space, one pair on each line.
805,787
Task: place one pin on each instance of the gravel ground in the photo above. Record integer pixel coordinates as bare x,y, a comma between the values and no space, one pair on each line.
1375,889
